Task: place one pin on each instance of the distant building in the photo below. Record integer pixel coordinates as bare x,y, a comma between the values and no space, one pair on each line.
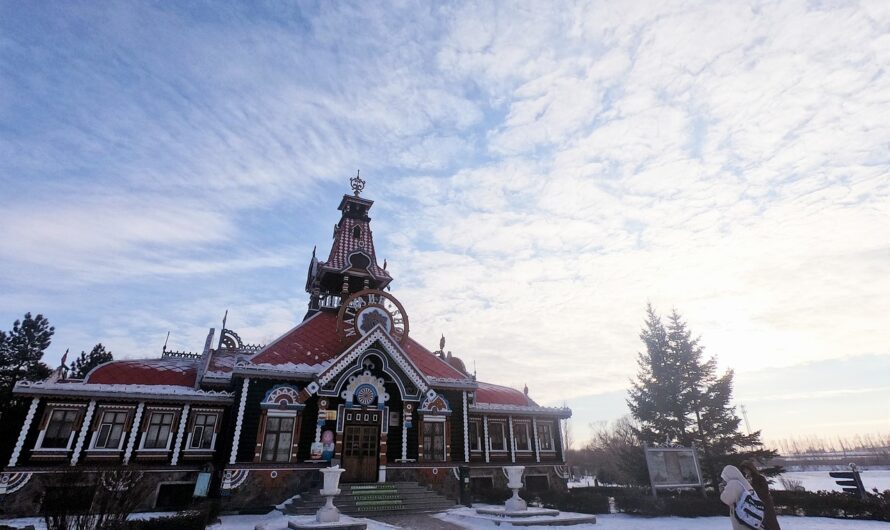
258,417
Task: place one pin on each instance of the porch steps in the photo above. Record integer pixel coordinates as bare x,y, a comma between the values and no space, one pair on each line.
368,500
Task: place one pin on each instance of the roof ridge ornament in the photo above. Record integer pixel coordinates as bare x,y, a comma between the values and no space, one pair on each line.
358,185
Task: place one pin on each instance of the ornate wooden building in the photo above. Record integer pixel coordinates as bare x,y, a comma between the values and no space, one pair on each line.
348,384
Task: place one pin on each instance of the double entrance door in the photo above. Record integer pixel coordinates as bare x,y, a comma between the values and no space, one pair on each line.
361,445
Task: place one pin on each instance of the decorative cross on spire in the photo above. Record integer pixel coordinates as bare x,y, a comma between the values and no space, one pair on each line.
357,183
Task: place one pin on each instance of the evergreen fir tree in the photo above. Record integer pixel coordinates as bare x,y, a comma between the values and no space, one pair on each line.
21,351
87,361
655,397
697,401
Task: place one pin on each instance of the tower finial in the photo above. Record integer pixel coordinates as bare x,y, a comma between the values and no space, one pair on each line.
357,183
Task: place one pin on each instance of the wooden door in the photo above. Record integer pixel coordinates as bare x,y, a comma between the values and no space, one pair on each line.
360,447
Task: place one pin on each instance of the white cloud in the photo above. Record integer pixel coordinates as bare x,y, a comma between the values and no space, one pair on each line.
541,171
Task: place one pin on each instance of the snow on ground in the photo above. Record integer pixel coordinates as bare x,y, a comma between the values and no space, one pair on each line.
275,520
629,522
820,480
459,517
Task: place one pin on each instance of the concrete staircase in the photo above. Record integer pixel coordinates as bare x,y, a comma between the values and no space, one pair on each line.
368,500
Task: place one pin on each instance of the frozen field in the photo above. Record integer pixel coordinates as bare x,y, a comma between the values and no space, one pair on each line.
810,480
819,480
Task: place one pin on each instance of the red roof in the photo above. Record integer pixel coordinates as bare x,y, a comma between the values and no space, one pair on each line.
313,342
502,395
428,362
316,341
175,372
345,244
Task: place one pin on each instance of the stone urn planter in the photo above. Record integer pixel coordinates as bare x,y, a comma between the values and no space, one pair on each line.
514,482
329,513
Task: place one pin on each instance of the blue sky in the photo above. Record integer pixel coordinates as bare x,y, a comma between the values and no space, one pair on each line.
542,170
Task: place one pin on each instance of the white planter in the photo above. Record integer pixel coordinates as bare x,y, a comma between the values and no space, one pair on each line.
329,513
331,480
514,476
514,482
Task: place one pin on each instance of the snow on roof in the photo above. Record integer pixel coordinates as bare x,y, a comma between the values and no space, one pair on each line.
132,391
167,371
222,363
497,398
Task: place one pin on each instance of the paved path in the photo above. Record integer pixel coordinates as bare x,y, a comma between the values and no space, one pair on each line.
417,521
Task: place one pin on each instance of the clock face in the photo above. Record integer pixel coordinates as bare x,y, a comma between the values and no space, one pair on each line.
364,310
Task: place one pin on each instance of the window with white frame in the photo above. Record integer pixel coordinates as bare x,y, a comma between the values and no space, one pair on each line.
110,434
203,435
474,435
434,441
521,434
545,437
497,436
60,429
159,431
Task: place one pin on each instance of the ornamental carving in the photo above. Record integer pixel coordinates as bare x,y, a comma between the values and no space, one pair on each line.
12,482
364,390
234,478
328,379
229,340
435,404
285,397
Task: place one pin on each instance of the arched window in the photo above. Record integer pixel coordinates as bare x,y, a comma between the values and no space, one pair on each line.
356,232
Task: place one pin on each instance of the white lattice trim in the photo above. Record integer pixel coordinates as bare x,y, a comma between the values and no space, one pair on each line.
404,440
512,440
487,441
183,423
239,420
84,429
466,430
29,418
134,431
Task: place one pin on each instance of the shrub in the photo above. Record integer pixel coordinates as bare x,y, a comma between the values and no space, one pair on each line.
93,500
191,520
832,504
492,495
582,500
681,505
639,505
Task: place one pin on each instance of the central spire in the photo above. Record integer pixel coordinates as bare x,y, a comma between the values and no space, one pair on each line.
352,263
358,185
